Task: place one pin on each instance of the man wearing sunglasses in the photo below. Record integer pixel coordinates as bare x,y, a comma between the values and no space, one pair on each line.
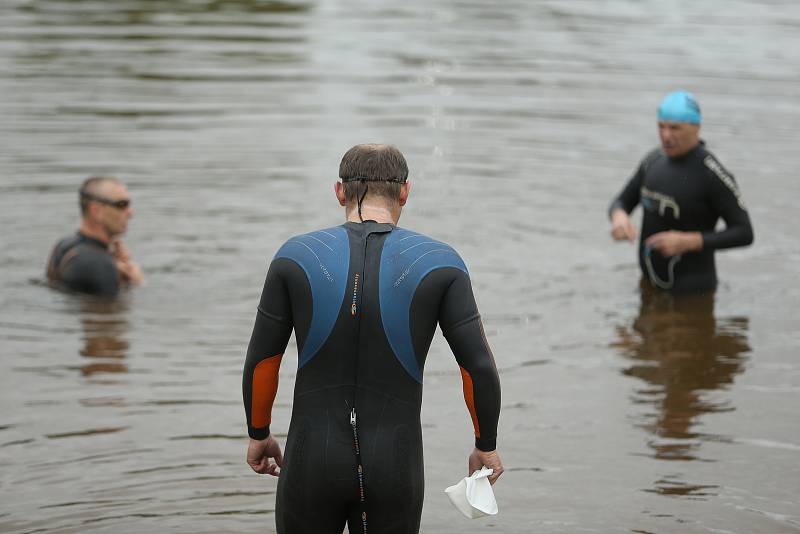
95,260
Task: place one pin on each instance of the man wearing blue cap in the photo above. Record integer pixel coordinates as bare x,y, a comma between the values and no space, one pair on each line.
684,191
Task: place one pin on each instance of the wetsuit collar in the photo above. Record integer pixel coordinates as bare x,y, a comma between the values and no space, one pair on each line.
370,227
92,240
692,152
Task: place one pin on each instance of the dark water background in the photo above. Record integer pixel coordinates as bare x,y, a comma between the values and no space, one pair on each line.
520,120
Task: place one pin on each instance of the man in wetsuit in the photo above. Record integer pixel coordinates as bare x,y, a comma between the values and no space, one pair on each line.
364,299
95,260
684,191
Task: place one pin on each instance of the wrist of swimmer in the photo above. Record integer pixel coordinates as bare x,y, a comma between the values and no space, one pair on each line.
696,241
255,433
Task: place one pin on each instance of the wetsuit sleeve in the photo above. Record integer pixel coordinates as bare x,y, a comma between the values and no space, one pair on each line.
462,327
726,200
271,333
628,198
93,273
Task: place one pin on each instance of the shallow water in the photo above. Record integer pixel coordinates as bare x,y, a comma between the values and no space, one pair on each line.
520,120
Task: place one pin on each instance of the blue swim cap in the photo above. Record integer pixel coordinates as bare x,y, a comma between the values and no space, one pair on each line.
679,106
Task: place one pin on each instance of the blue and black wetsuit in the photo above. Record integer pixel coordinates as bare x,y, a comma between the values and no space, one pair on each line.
689,194
83,264
364,300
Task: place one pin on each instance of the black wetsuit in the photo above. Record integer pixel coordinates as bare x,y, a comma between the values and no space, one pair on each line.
688,194
83,264
364,301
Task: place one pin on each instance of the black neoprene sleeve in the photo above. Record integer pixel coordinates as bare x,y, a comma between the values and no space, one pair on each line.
271,332
629,196
726,200
463,330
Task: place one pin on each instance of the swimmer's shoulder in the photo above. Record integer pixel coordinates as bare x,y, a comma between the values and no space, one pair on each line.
322,241
404,247
711,162
320,254
651,157
82,252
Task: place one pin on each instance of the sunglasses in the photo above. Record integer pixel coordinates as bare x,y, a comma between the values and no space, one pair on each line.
118,204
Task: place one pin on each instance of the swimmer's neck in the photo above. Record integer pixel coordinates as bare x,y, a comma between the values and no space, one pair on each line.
95,231
372,212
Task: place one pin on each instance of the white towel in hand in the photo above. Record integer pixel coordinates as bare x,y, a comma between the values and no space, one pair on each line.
473,496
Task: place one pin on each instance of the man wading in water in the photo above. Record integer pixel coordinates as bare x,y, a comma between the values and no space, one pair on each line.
684,191
95,260
364,299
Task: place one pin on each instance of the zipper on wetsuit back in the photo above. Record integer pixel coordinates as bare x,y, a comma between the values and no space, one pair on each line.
356,311
359,471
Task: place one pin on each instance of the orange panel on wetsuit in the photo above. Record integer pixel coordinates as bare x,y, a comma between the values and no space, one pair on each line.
265,387
469,397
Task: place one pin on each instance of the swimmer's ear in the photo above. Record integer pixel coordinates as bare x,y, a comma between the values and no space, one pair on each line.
338,188
405,190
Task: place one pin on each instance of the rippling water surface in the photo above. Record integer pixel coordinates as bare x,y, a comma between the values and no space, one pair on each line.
520,120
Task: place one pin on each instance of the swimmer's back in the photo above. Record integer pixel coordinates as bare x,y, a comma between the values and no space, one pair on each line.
364,301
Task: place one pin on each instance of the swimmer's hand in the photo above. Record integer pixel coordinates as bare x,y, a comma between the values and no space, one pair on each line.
260,453
621,226
129,270
673,243
491,459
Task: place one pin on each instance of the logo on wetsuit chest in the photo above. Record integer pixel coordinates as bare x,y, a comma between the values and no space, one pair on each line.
655,201
353,307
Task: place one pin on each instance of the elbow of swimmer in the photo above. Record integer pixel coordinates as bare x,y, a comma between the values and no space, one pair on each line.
749,236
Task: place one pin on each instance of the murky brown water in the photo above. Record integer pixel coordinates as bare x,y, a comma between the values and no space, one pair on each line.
520,120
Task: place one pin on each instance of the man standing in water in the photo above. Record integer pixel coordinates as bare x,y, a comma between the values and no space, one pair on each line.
364,299
95,260
684,191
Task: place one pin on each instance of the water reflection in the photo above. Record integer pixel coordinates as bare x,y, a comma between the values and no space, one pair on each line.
681,353
105,336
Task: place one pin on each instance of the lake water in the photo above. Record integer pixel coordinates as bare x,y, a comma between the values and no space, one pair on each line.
520,120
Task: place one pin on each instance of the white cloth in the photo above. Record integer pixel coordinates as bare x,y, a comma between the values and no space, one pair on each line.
473,495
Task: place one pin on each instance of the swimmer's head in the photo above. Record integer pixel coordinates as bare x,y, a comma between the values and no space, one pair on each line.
679,123
105,204
680,106
374,175
376,170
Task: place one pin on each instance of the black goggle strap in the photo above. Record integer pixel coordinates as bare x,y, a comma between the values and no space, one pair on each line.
346,179
361,199
366,181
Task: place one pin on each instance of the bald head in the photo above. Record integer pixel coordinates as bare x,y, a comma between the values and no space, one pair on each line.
96,186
